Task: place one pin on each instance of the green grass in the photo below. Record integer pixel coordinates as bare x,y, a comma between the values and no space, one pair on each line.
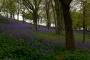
53,37
4,21
49,36
19,49
79,37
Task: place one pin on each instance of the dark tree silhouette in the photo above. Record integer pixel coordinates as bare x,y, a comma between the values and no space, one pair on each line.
70,42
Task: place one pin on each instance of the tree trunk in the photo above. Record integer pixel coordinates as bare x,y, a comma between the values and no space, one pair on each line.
35,17
23,20
7,14
18,15
13,15
48,21
23,16
70,43
84,25
59,17
54,15
47,7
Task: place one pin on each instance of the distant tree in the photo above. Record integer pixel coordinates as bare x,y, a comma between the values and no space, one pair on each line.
33,6
47,8
87,16
8,7
11,6
18,8
59,17
76,19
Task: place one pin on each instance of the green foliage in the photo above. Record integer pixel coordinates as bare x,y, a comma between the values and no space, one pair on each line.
19,49
11,6
87,15
77,55
76,18
8,6
27,15
10,44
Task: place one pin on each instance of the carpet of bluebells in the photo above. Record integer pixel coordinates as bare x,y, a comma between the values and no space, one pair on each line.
19,49
17,42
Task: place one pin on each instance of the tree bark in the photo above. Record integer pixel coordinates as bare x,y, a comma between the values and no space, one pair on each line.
70,42
35,17
59,17
47,8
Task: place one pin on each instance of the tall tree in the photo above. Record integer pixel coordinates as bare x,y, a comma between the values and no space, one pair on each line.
33,6
59,17
47,8
70,42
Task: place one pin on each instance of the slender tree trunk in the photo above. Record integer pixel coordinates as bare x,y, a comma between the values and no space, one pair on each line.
7,14
18,15
48,21
13,15
18,10
84,25
23,20
10,15
23,16
47,7
59,17
35,17
54,15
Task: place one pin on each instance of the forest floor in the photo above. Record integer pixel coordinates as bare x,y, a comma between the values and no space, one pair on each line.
43,42
25,31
